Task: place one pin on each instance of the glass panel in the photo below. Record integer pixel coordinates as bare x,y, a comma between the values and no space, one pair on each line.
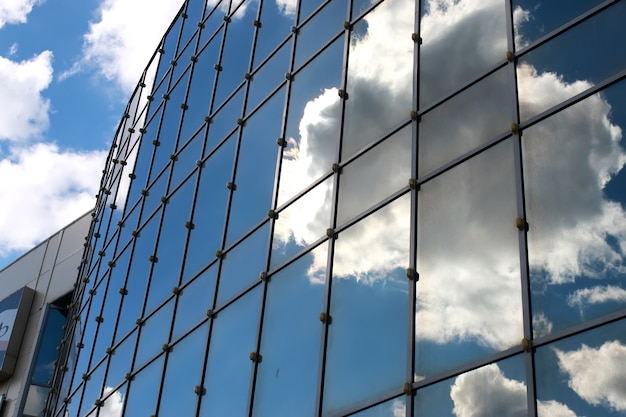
137,278
464,122
170,121
255,168
210,210
583,375
187,158
460,40
35,401
183,374
302,223
228,370
307,7
319,30
201,87
367,338
153,197
285,383
194,301
380,75
534,19
575,206
497,389
243,264
469,301
215,11
391,408
269,77
313,124
93,389
120,361
225,121
277,17
189,32
375,175
108,314
171,245
572,62
144,390
154,332
235,59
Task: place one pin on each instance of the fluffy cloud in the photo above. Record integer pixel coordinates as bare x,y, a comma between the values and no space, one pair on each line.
487,392
596,295
15,11
24,112
596,374
125,35
113,405
47,189
481,262
288,7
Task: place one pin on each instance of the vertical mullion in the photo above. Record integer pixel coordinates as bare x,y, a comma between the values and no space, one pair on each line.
333,223
410,369
521,210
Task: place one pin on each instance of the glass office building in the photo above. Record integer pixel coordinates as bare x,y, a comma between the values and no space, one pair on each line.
367,208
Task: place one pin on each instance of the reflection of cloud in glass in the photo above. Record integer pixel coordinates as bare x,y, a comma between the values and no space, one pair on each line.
597,374
596,295
287,7
487,392
574,234
113,405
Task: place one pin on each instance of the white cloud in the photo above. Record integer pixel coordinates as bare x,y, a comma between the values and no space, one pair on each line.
287,7
24,112
487,392
596,295
44,189
113,405
542,326
125,35
597,375
15,11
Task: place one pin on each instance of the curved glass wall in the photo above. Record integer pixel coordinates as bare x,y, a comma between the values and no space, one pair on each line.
367,208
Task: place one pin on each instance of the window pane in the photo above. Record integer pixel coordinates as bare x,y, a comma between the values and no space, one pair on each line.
469,301
575,208
367,336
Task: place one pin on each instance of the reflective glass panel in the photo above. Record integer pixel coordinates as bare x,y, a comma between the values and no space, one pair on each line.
583,375
367,336
243,264
276,19
534,19
285,383
182,374
235,59
229,367
469,300
186,160
141,400
380,75
460,40
391,408
120,361
225,121
194,301
375,175
210,209
313,123
257,155
154,332
268,77
319,30
93,388
497,389
302,223
464,122
575,205
171,245
572,62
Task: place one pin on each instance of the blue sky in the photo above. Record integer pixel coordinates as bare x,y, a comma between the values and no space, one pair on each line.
67,69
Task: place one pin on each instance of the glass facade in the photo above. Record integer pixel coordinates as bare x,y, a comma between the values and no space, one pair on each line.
368,208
